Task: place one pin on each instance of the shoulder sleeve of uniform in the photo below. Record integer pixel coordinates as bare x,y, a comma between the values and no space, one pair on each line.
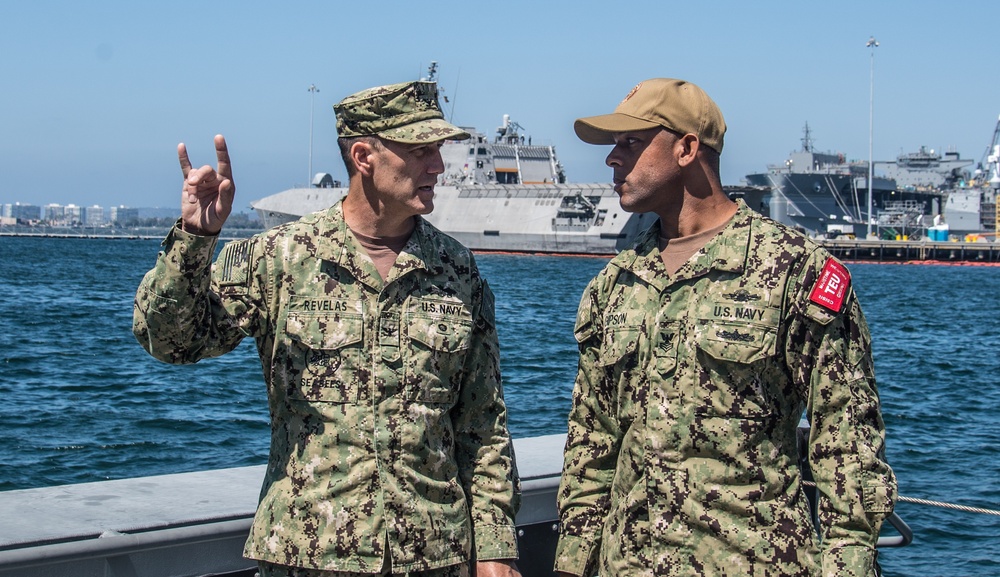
584,328
487,309
826,283
588,313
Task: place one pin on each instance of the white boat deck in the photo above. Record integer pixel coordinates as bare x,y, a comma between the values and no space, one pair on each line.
183,524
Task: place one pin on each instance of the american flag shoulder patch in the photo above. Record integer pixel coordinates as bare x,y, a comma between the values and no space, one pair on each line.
234,263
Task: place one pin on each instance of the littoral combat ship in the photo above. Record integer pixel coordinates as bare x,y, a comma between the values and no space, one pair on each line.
499,195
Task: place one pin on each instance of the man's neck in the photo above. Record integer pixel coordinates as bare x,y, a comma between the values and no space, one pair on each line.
697,215
372,221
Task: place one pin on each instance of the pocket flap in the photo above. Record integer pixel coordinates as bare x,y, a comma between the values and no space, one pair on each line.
447,335
325,331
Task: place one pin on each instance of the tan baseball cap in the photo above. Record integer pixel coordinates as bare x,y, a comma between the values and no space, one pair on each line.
674,104
408,112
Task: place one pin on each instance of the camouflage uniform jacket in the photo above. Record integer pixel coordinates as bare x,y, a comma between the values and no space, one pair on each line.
388,425
681,454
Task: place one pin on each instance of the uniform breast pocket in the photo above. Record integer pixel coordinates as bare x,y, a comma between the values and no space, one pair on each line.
325,352
735,362
621,361
619,348
435,356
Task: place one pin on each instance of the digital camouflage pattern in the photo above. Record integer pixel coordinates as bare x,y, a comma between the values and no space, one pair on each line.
388,426
681,454
408,112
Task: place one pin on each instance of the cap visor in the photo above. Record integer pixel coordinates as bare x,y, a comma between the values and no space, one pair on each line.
431,130
599,129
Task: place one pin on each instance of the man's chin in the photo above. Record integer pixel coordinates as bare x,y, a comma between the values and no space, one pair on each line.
626,204
425,206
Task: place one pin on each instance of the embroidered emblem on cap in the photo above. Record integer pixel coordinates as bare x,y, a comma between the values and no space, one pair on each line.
631,92
832,286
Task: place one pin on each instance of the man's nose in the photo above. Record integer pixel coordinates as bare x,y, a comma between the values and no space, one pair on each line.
436,163
613,158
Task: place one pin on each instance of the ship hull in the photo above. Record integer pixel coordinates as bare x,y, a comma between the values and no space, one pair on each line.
817,202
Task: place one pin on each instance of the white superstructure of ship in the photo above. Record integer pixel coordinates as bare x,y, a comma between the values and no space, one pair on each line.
499,194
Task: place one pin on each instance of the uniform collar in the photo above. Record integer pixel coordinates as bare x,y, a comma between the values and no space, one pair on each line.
728,251
420,252
335,243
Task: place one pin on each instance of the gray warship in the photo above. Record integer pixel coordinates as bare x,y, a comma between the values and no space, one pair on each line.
926,169
503,194
971,202
823,194
961,201
819,193
498,195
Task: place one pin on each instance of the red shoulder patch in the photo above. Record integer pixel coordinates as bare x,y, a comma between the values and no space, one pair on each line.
831,288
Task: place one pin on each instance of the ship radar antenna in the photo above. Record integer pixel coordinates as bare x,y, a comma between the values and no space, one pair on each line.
510,131
432,77
312,98
807,143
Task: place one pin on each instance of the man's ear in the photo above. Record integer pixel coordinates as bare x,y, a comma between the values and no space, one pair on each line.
361,154
688,149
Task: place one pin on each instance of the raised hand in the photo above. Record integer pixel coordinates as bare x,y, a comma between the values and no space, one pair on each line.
207,194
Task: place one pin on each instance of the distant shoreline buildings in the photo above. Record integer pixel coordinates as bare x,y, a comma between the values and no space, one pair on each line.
95,216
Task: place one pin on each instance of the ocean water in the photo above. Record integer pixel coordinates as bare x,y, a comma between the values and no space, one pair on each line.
82,401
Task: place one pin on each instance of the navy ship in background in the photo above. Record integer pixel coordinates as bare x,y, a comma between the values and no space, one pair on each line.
819,193
509,195
971,202
824,195
504,194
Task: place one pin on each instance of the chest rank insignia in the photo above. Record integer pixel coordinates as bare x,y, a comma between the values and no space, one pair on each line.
831,288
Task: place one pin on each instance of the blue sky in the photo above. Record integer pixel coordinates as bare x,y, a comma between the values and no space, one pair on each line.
95,96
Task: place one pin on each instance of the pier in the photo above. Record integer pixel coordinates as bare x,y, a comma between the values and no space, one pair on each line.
914,251
921,251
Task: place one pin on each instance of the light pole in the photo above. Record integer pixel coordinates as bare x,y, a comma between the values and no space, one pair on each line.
873,44
312,97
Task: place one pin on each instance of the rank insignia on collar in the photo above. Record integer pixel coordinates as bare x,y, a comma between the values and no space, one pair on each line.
831,288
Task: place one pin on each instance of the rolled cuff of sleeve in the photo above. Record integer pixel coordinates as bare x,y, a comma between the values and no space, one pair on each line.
849,561
496,542
574,555
186,251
